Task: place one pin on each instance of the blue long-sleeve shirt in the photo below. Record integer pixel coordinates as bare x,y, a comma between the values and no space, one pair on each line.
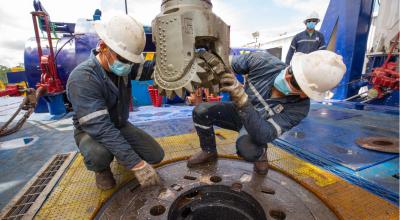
267,118
306,43
100,101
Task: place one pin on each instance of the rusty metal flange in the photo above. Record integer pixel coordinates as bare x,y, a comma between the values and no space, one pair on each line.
228,186
383,144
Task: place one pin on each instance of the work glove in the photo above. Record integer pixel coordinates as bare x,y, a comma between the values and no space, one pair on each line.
228,81
230,84
214,63
146,175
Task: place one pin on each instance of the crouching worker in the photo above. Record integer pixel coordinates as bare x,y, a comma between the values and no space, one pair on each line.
275,98
100,92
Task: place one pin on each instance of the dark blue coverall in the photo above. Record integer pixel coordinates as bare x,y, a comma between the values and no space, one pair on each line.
100,101
306,43
258,123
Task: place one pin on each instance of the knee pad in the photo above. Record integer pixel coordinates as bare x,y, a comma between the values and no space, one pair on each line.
98,159
158,157
247,149
199,111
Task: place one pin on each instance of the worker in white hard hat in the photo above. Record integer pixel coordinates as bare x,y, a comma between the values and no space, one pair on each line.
307,41
275,98
99,90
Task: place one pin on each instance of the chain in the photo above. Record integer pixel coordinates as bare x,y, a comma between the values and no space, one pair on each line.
28,105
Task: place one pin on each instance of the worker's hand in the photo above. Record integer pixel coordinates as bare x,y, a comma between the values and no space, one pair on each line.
230,84
212,62
146,174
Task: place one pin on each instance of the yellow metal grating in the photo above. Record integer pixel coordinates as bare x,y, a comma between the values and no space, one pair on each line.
76,196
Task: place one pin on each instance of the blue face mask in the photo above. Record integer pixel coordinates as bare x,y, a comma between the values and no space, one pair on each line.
311,25
119,68
281,84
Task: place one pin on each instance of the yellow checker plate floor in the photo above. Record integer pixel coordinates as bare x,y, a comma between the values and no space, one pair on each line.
76,195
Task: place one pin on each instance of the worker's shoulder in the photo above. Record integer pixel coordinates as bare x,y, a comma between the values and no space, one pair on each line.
320,34
84,71
259,53
264,54
263,58
301,34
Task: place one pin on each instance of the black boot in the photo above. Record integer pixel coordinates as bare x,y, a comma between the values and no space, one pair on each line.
105,180
201,158
261,165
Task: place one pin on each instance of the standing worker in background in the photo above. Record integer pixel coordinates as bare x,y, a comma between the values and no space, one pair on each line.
100,92
275,99
307,41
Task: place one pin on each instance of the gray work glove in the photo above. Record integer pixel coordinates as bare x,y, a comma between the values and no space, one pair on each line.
230,84
146,175
214,63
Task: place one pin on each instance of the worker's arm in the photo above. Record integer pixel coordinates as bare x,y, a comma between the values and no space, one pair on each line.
143,71
264,131
322,45
292,49
86,97
259,63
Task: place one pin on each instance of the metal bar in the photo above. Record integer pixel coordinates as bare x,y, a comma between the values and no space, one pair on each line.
126,7
368,100
354,96
53,69
35,25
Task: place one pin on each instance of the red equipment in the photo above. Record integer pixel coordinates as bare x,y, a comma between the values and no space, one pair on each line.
155,98
212,98
49,79
387,77
11,90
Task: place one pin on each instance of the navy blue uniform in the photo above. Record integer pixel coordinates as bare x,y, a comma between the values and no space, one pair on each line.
260,122
100,101
305,43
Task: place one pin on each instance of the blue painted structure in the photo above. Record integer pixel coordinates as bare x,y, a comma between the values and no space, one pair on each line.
345,27
16,77
70,51
327,137
140,94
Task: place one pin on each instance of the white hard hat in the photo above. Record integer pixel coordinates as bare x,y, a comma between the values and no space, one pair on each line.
124,35
318,72
313,15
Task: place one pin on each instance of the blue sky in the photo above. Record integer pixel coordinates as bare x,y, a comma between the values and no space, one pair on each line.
270,17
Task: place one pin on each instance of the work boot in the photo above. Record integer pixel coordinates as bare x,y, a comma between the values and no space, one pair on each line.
261,165
201,158
105,179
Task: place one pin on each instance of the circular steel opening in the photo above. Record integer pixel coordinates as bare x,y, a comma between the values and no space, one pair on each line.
239,195
382,143
215,202
192,194
237,186
157,210
277,214
215,179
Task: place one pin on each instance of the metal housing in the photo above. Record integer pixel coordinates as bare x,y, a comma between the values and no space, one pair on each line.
182,27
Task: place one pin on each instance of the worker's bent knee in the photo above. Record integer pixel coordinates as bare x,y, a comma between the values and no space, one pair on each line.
200,112
157,157
97,159
247,149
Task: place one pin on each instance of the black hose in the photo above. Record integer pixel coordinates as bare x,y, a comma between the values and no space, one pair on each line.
58,51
